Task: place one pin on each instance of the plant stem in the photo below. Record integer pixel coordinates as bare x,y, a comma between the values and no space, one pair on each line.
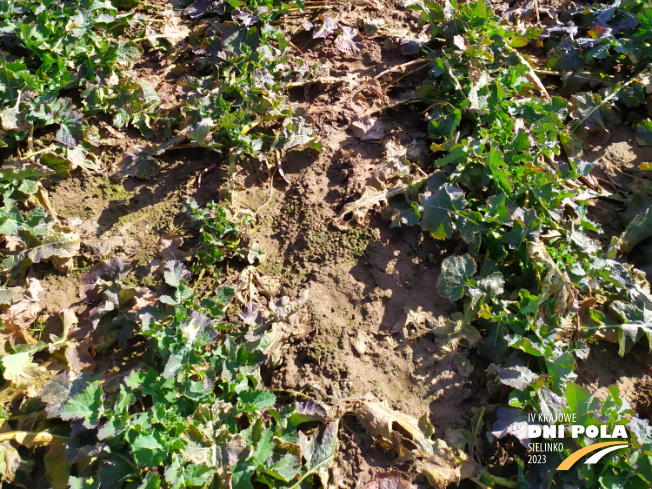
38,436
400,67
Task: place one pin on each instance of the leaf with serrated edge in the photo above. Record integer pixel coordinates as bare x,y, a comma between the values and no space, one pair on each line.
86,405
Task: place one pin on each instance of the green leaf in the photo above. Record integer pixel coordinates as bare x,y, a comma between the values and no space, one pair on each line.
457,154
15,366
437,210
257,400
70,128
174,273
526,344
644,133
454,278
148,449
638,323
151,481
515,374
86,405
637,230
642,430
561,370
319,451
57,465
495,162
175,362
128,53
526,226
286,469
83,483
580,400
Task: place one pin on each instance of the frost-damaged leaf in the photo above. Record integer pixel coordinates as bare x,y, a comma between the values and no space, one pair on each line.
10,461
57,465
23,312
368,129
173,32
175,273
128,53
308,411
168,247
454,277
13,119
637,323
16,367
349,41
319,451
135,162
510,421
356,212
198,328
329,26
9,295
390,480
23,169
556,283
83,482
642,431
70,131
284,309
60,242
551,404
514,374
592,112
110,270
244,17
200,8
391,429
60,388
297,134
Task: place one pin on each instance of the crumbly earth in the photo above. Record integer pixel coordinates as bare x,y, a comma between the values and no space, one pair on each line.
372,289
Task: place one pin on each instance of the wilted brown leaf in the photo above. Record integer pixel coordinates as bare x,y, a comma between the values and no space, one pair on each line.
356,212
9,460
25,310
402,433
368,129
144,297
329,26
349,41
168,246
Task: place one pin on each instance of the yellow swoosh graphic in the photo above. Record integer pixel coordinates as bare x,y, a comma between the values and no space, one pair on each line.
574,457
